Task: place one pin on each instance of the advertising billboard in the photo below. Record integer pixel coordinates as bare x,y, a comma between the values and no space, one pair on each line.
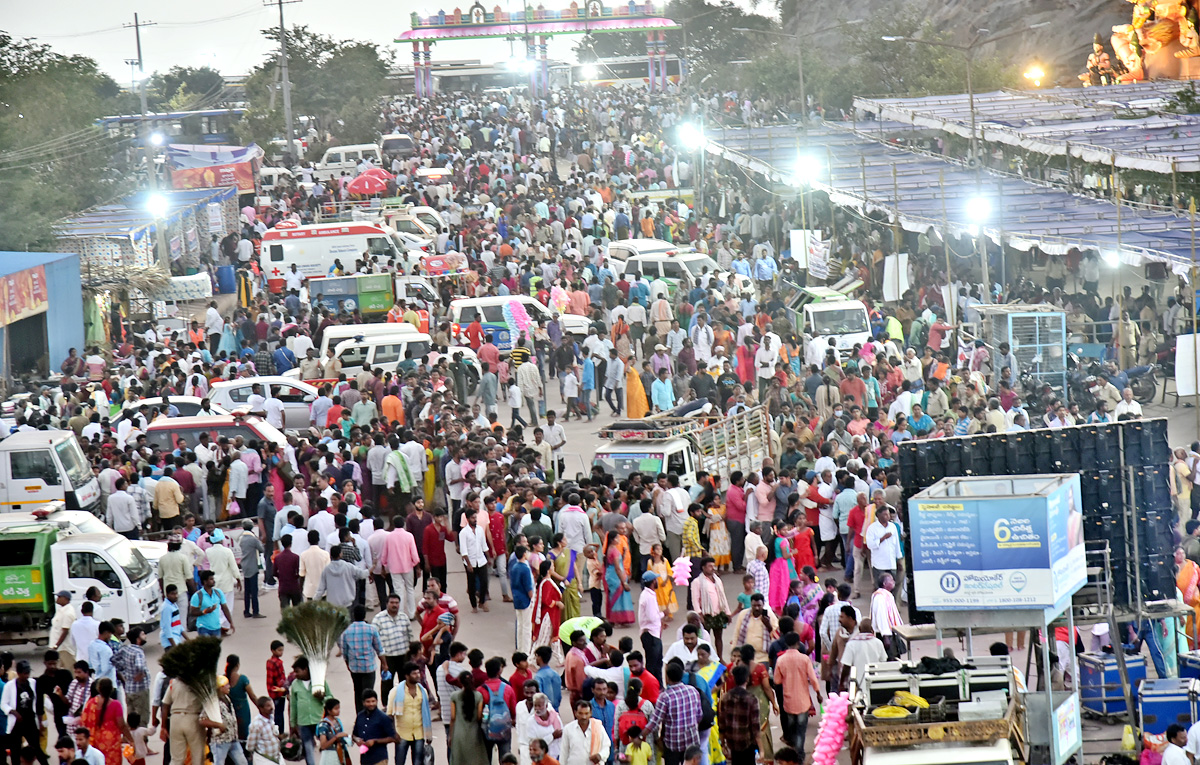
975,547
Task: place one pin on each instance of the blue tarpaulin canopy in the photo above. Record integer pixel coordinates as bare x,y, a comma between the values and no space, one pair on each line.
1121,125
859,171
130,218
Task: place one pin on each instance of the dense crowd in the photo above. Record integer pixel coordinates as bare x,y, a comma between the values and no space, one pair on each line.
402,468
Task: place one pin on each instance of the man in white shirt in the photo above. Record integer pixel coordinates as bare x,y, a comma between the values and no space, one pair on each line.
214,325
684,649
272,407
1127,405
85,629
1177,739
884,544
556,435
122,514
474,547
702,340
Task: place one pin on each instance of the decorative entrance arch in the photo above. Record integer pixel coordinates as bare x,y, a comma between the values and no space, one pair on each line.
536,26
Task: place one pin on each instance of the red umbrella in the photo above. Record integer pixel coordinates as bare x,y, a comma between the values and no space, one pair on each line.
379,172
366,184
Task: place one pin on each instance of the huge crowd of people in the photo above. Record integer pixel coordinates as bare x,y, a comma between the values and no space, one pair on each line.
626,644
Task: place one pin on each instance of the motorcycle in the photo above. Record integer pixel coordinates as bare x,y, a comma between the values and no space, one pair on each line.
1144,384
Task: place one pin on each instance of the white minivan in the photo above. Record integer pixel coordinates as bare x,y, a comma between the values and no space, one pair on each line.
41,466
490,312
386,352
339,158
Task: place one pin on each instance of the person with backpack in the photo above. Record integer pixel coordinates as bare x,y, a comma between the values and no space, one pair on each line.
633,712
679,713
499,709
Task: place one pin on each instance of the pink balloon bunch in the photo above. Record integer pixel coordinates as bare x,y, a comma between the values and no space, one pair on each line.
831,730
683,570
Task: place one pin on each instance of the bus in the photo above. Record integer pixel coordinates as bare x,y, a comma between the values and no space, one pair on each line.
194,127
615,72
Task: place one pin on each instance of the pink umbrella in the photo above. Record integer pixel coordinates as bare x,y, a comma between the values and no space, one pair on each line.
366,184
379,172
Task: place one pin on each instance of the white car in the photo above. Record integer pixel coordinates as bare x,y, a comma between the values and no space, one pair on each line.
296,396
188,406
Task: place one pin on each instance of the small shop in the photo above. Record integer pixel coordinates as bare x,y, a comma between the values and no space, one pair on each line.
41,313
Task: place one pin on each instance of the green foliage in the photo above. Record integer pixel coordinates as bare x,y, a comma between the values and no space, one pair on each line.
327,76
184,88
54,161
710,43
1185,101
855,60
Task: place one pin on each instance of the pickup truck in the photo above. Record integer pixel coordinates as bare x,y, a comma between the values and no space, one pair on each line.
41,558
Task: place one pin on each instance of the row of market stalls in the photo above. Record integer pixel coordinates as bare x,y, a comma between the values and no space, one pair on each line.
129,250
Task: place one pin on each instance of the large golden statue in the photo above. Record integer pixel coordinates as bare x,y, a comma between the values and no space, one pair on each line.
1158,43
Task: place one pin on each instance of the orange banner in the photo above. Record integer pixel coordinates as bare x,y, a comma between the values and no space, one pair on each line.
23,294
217,176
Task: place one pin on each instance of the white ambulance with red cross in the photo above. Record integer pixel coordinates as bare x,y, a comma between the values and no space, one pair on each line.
314,248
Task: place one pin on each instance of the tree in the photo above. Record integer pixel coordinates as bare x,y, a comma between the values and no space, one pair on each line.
706,27
54,161
185,88
327,76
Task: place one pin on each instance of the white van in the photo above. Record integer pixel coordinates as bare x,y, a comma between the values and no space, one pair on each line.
339,158
399,145
416,289
336,333
673,267
624,249
313,248
41,466
271,178
387,351
490,311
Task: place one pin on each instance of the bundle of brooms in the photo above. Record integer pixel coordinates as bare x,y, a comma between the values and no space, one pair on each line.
314,627
194,663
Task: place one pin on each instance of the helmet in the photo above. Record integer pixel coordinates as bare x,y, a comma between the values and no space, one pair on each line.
291,749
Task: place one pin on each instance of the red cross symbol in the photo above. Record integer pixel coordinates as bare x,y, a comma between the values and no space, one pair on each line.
275,271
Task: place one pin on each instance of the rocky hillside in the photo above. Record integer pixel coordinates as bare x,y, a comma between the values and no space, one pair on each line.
1062,45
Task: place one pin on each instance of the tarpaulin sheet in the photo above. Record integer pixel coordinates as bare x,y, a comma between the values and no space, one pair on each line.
1118,125
930,190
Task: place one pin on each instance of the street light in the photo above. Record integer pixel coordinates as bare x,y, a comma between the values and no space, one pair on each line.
1035,74
799,56
692,136
157,139
589,71
157,205
968,51
979,211
806,170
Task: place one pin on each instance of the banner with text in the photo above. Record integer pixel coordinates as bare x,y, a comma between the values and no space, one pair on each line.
972,552
24,294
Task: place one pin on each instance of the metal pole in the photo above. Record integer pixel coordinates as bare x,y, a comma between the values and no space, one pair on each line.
144,131
287,85
803,94
971,104
1000,223
700,170
1195,327
950,312
895,211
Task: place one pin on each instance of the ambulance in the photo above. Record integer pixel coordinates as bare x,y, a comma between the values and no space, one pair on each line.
313,248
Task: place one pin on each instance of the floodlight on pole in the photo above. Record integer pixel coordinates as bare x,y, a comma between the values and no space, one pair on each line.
1112,258
1035,74
691,136
157,205
979,209
806,170
589,71
158,139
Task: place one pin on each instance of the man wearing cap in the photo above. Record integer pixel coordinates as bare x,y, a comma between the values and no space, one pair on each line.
660,360
650,622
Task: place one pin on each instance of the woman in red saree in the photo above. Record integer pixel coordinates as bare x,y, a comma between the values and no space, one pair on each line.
547,612
745,360
104,716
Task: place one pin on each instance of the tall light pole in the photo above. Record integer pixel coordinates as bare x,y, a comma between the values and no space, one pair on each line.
144,127
283,75
968,51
